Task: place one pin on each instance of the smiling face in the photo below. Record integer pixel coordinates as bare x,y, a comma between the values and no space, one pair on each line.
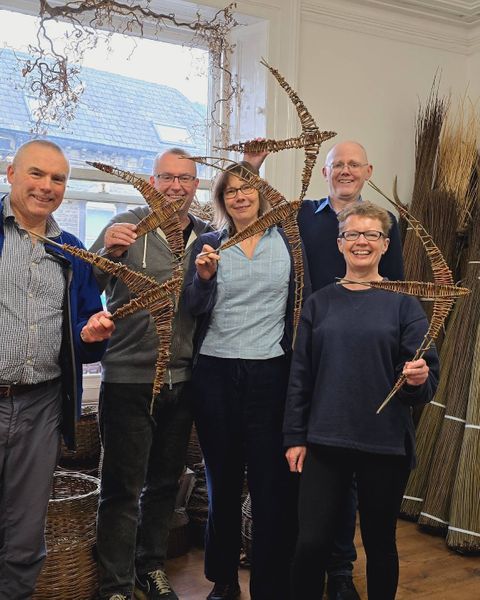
243,208
346,170
173,164
362,256
38,178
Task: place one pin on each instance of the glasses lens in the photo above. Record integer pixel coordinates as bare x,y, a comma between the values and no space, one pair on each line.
246,188
350,236
186,178
372,235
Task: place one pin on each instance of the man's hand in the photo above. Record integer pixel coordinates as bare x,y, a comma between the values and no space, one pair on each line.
296,457
207,263
256,159
99,327
118,237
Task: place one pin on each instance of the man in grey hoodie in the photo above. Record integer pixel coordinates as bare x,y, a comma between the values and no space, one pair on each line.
144,454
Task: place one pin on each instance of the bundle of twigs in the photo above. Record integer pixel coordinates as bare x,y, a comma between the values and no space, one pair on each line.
429,124
436,507
464,528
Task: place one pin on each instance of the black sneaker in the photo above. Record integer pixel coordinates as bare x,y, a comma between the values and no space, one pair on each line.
154,586
341,588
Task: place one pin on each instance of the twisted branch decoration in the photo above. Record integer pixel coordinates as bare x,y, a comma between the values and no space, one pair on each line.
443,291
158,299
164,214
311,138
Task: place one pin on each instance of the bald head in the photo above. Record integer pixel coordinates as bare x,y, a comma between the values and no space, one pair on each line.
346,170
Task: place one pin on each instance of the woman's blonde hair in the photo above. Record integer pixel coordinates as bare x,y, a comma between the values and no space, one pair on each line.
365,209
221,219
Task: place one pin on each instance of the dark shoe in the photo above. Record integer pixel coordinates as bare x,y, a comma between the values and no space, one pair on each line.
154,586
225,591
341,588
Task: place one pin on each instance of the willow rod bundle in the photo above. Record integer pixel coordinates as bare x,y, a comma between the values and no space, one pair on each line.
164,213
464,529
457,158
428,128
436,508
158,299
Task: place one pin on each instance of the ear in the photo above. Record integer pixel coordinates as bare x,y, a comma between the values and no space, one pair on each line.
369,172
386,243
10,172
324,171
340,245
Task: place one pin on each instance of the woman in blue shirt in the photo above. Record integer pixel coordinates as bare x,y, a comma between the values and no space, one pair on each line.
244,301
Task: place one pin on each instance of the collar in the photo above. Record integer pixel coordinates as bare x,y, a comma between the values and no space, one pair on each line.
52,230
327,202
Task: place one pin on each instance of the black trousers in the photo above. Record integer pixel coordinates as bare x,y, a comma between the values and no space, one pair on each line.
324,490
238,408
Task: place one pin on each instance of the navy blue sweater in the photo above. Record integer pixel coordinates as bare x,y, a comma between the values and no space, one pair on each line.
351,347
319,233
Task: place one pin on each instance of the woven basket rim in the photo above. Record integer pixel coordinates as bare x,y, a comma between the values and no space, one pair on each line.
95,481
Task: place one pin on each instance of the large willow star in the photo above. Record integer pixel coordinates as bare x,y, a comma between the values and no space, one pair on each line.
442,291
311,138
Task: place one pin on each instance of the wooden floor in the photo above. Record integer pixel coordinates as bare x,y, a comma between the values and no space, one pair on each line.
428,571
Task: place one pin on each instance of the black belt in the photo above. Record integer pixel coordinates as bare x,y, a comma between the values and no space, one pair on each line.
12,389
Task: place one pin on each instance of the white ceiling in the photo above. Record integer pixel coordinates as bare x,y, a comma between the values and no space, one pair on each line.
453,11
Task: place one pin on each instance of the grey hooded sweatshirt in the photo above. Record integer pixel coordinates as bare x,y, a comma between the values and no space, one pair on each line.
132,351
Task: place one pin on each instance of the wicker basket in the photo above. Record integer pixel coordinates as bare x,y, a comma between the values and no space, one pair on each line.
246,532
87,454
69,572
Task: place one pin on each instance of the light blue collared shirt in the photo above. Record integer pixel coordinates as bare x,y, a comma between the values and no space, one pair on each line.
248,320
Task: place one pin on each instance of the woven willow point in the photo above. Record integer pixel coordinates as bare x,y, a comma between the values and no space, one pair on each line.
164,214
311,138
159,299
443,291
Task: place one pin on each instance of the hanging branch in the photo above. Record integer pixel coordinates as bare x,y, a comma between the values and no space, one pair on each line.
53,74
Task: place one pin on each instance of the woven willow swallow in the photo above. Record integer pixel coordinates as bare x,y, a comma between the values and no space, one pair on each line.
164,214
311,138
158,299
283,212
442,291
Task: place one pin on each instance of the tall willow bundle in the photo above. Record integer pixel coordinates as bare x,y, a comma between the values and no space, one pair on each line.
428,128
457,158
436,507
464,529
430,423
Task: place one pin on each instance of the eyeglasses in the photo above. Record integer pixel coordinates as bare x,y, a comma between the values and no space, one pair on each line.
371,235
351,166
169,178
231,192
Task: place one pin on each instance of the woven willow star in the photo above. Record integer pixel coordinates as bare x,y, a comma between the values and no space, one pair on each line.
158,299
442,291
311,138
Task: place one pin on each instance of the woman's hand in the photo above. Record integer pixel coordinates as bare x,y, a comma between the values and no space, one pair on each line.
296,457
256,158
207,263
416,371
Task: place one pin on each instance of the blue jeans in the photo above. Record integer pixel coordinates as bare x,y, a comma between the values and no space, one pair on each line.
144,456
238,406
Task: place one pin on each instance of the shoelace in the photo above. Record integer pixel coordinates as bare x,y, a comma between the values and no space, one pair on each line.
161,582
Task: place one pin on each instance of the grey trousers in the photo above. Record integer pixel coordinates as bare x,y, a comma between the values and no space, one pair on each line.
29,450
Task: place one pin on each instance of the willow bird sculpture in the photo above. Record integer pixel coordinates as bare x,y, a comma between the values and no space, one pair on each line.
158,299
164,213
283,212
442,291
311,138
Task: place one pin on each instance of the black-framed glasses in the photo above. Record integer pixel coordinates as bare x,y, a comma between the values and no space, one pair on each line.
351,166
371,235
231,192
185,178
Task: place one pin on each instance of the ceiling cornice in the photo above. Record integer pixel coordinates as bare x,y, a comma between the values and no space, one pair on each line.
376,18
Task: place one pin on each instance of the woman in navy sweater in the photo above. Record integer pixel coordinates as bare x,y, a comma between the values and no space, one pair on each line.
352,344
244,304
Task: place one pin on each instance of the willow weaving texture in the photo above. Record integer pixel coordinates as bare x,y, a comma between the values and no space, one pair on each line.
159,299
164,213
